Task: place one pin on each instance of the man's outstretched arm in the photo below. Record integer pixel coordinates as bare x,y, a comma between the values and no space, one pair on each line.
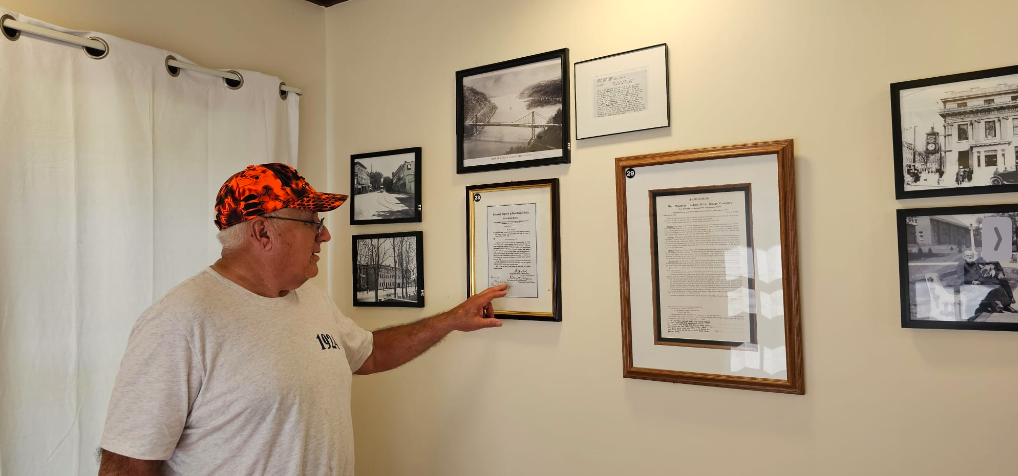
398,345
113,464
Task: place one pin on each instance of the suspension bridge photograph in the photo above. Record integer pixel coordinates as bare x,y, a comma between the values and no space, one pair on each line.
513,114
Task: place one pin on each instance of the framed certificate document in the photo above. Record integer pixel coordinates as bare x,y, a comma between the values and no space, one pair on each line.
513,237
708,267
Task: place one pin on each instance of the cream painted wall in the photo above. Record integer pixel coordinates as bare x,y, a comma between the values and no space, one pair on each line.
284,38
549,399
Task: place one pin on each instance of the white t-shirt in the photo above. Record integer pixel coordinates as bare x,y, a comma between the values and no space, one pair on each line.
218,380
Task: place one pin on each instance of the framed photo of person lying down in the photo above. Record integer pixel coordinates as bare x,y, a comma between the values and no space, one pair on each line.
513,114
388,269
958,267
955,134
708,264
513,238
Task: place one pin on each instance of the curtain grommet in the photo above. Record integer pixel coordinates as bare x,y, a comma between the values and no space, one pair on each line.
9,33
95,53
283,94
234,83
171,70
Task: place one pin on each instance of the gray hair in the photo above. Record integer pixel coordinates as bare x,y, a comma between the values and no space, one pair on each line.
233,237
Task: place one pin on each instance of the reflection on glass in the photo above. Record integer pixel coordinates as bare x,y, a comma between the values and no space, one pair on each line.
763,358
737,263
772,304
768,264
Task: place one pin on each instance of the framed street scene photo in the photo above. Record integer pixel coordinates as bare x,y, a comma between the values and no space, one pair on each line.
956,135
513,114
388,269
958,267
624,92
708,264
513,237
385,187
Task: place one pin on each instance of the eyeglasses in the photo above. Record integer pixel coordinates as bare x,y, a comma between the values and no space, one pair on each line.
320,223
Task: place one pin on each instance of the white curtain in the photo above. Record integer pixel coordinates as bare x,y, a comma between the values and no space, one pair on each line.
108,175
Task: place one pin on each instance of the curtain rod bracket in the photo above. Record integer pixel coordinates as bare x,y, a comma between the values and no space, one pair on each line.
96,53
97,48
10,33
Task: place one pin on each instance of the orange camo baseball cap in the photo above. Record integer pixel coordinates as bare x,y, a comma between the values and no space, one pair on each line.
265,188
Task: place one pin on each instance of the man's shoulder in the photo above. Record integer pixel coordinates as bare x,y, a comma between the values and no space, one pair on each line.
185,301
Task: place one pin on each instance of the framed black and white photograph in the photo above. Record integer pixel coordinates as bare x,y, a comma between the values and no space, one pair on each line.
623,92
958,267
386,187
513,114
956,135
388,269
513,238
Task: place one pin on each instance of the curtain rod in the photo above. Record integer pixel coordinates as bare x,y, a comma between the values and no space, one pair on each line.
96,44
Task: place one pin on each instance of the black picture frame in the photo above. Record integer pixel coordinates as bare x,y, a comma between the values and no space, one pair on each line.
377,205
944,298
945,160
666,102
512,85
656,259
473,195
389,250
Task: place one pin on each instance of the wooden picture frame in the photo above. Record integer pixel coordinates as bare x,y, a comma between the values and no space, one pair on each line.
969,131
623,92
499,105
385,187
513,236
732,254
941,287
388,269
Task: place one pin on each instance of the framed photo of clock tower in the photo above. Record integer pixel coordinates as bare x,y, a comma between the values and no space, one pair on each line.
956,134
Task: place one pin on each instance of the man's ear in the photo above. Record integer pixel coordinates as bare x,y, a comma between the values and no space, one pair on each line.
261,234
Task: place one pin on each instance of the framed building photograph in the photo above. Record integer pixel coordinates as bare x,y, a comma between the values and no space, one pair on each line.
513,238
388,269
623,92
708,266
513,114
958,267
956,135
385,187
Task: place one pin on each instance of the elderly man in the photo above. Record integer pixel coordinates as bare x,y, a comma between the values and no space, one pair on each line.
974,270
246,369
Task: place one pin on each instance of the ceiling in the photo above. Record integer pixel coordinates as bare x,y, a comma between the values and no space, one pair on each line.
326,3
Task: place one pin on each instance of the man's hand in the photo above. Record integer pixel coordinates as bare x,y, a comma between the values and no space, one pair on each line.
398,345
476,312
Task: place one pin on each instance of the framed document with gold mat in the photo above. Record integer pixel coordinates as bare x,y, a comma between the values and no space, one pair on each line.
513,238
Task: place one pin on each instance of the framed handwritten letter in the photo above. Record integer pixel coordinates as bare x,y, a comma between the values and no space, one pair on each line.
624,92
709,267
513,237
